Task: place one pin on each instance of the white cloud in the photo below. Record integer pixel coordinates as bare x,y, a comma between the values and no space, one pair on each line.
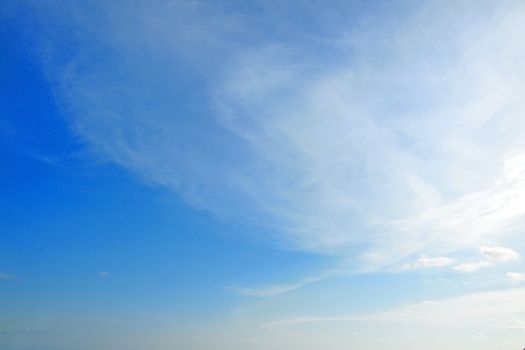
499,254
422,150
104,274
492,254
471,266
515,277
427,262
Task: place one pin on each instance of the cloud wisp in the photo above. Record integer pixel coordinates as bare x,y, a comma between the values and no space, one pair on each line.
278,289
273,290
472,266
317,140
494,256
428,262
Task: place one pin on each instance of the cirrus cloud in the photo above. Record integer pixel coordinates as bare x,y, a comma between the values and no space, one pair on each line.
427,262
421,151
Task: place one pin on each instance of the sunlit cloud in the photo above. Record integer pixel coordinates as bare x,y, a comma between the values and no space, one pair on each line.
472,266
421,152
428,262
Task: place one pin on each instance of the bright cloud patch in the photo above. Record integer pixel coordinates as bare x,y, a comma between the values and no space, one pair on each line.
499,254
426,262
471,266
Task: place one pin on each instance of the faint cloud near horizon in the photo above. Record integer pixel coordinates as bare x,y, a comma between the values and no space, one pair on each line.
278,289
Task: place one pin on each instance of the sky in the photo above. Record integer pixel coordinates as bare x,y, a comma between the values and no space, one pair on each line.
262,174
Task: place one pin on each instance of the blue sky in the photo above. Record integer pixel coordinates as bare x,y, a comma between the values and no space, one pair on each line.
262,175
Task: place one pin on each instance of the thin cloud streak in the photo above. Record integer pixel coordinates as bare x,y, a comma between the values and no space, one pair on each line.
425,262
472,266
278,289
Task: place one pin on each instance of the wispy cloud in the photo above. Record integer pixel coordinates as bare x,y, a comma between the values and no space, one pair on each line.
471,266
273,290
422,150
428,262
